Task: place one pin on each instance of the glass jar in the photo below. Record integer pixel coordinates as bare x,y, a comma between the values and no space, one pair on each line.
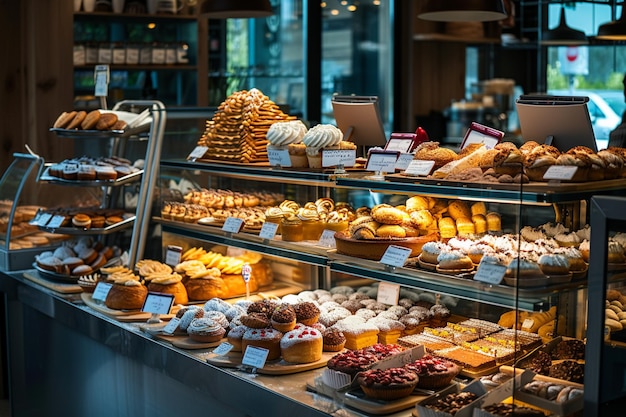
291,229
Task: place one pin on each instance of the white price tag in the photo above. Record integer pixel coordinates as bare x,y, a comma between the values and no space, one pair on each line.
255,356
102,80
41,219
246,272
233,225
223,349
420,168
400,144
560,172
268,230
279,157
395,255
403,161
327,239
101,291
171,325
382,161
173,255
490,273
332,158
528,323
388,293
198,152
56,221
158,303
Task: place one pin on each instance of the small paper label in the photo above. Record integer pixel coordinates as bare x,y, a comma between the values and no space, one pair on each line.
157,303
490,273
171,325
119,56
56,221
173,255
101,291
420,167
395,255
158,55
132,56
382,162
560,172
268,230
223,349
528,323
402,145
198,152
332,158
246,272
327,239
403,161
102,80
255,356
41,219
279,157
233,225
388,293
104,55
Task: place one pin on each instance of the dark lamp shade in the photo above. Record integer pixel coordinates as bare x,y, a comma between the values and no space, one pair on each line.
235,9
613,31
564,35
463,10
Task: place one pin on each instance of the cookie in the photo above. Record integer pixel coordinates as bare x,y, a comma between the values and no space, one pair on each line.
106,122
64,119
91,120
77,120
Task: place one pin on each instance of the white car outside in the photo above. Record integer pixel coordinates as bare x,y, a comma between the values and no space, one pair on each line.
603,118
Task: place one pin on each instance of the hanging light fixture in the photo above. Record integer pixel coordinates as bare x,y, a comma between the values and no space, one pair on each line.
236,9
563,34
614,30
463,10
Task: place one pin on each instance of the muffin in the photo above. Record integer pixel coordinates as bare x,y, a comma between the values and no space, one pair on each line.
387,384
334,340
433,372
205,330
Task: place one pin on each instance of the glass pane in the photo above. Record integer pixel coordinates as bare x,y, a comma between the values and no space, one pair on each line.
267,54
357,48
594,71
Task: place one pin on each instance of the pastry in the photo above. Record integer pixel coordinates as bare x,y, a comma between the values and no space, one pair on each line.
447,227
205,285
494,222
264,338
433,372
235,335
506,409
81,220
106,121
568,370
126,294
205,330
333,340
386,214
430,151
454,260
81,270
554,264
387,384
170,284
450,404
302,345
77,120
91,120
458,209
255,320
358,334
390,231
352,362
283,318
307,313
64,119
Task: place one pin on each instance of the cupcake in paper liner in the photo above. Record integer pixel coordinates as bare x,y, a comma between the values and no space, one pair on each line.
317,138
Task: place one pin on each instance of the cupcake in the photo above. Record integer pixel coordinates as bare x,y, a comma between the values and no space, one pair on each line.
334,340
317,138
282,135
205,330
284,318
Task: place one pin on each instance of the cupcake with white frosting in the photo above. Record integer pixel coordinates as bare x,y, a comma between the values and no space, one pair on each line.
317,138
288,136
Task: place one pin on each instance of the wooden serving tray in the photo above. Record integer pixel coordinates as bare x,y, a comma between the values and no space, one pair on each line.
60,287
277,367
179,340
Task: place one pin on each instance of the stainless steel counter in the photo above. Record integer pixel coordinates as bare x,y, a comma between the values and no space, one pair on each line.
67,359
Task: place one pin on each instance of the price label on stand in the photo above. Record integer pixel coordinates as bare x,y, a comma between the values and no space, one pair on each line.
158,303
101,291
395,256
327,239
232,225
171,325
101,78
279,157
382,161
403,161
268,230
490,273
419,168
197,153
255,357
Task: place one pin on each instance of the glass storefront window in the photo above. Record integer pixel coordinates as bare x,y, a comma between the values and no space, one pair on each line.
357,49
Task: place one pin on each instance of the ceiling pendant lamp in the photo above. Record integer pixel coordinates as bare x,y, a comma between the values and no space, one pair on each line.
463,10
236,9
614,30
564,35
